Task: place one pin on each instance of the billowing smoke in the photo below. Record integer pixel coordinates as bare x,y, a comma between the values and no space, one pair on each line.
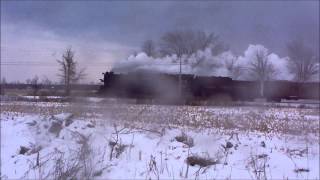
280,64
204,63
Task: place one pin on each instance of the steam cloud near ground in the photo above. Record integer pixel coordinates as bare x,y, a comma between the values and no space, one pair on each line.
204,63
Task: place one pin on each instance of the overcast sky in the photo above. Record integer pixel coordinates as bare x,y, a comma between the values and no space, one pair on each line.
35,33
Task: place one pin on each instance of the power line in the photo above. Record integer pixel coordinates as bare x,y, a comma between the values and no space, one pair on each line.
34,63
50,64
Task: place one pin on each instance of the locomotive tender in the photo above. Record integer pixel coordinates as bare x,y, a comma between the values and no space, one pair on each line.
164,88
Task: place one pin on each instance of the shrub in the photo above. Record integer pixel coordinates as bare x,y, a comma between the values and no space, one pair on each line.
185,139
201,161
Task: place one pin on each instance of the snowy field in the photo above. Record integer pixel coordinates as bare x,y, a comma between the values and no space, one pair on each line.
93,140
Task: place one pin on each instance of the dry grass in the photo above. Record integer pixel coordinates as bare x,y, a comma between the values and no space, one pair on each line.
266,120
78,164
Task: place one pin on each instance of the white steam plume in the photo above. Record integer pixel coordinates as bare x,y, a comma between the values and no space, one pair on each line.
204,63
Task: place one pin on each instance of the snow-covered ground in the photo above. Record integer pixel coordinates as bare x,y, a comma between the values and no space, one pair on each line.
56,140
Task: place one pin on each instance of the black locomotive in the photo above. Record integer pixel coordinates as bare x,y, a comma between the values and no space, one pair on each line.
165,88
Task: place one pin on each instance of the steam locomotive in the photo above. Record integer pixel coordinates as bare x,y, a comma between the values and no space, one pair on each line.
168,89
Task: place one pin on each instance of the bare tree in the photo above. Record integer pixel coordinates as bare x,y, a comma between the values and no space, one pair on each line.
16,82
303,62
28,81
149,48
218,47
68,70
233,68
261,69
135,53
3,80
35,85
186,43
46,81
49,85
176,43
2,85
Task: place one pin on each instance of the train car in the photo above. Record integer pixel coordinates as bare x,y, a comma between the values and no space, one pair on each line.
141,86
165,88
